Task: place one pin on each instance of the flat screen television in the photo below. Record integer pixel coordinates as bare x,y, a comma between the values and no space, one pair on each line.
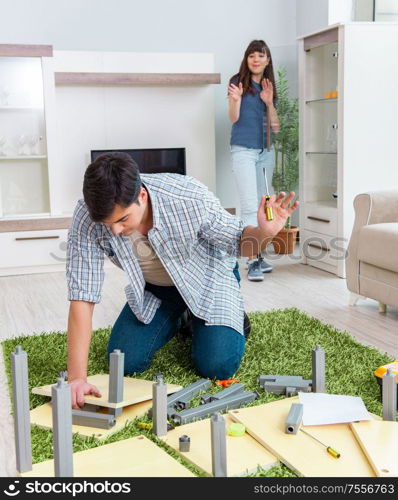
153,161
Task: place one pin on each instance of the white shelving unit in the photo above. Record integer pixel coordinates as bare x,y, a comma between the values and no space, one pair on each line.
348,105
78,101
24,183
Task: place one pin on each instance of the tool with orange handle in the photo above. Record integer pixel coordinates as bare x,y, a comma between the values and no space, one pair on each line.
226,383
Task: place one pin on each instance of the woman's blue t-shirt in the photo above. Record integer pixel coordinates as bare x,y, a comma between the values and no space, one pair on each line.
250,130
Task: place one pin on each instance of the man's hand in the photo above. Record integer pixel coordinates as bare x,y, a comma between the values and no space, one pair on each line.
80,387
281,211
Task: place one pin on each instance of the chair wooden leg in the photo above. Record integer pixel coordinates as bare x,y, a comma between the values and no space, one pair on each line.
382,307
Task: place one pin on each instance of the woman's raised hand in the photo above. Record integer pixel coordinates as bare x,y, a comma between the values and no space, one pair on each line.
267,92
235,92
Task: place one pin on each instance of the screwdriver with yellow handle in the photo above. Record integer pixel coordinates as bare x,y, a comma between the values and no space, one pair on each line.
330,450
268,210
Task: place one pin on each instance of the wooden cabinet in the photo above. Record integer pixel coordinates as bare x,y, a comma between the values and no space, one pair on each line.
348,104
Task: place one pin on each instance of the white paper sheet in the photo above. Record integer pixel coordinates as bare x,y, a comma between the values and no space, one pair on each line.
324,409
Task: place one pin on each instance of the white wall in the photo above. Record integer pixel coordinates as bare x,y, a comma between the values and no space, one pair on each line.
314,15
93,117
363,10
221,27
311,15
341,11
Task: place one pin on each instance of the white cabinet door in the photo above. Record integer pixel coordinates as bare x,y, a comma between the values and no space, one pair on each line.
32,248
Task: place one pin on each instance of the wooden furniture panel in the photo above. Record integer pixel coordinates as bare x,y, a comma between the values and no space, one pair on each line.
135,391
299,452
244,454
134,457
319,39
64,78
14,225
379,441
42,417
20,50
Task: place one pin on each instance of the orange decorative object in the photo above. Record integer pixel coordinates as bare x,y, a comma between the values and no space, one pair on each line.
334,94
227,383
328,95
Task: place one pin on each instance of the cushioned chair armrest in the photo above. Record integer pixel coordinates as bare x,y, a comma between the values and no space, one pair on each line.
383,206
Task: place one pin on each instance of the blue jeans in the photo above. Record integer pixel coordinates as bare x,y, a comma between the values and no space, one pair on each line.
248,166
216,350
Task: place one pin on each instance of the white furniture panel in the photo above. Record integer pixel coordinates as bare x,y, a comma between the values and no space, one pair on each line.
43,180
320,247
25,249
318,218
24,185
80,128
160,62
91,117
348,109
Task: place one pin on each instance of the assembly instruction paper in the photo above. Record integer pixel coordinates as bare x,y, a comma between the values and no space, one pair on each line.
325,409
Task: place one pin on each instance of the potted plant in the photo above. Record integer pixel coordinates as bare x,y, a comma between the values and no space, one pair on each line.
286,145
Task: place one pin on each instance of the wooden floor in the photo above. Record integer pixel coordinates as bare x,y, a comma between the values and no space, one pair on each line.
32,304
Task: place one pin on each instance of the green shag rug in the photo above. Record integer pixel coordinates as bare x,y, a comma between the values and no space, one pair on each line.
280,343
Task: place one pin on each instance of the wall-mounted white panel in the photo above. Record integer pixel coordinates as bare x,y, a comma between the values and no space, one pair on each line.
160,62
370,109
132,117
78,60
80,128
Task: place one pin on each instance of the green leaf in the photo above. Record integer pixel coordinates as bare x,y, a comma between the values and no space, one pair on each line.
286,141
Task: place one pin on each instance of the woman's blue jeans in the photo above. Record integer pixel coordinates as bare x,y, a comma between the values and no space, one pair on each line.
248,166
216,350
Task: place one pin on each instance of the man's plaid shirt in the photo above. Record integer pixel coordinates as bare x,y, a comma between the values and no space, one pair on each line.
194,237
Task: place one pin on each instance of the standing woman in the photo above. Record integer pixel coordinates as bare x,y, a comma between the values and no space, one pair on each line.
252,98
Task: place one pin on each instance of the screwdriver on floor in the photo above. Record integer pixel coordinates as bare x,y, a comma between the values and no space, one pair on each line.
268,210
330,450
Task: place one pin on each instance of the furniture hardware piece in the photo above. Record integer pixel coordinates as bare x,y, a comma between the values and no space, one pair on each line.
203,411
318,369
20,391
294,418
62,428
38,238
289,385
318,247
311,217
93,419
159,408
233,389
218,446
116,381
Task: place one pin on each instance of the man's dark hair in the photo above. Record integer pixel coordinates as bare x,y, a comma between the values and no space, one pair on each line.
112,178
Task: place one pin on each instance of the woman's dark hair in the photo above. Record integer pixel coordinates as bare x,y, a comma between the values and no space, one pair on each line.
244,74
112,178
